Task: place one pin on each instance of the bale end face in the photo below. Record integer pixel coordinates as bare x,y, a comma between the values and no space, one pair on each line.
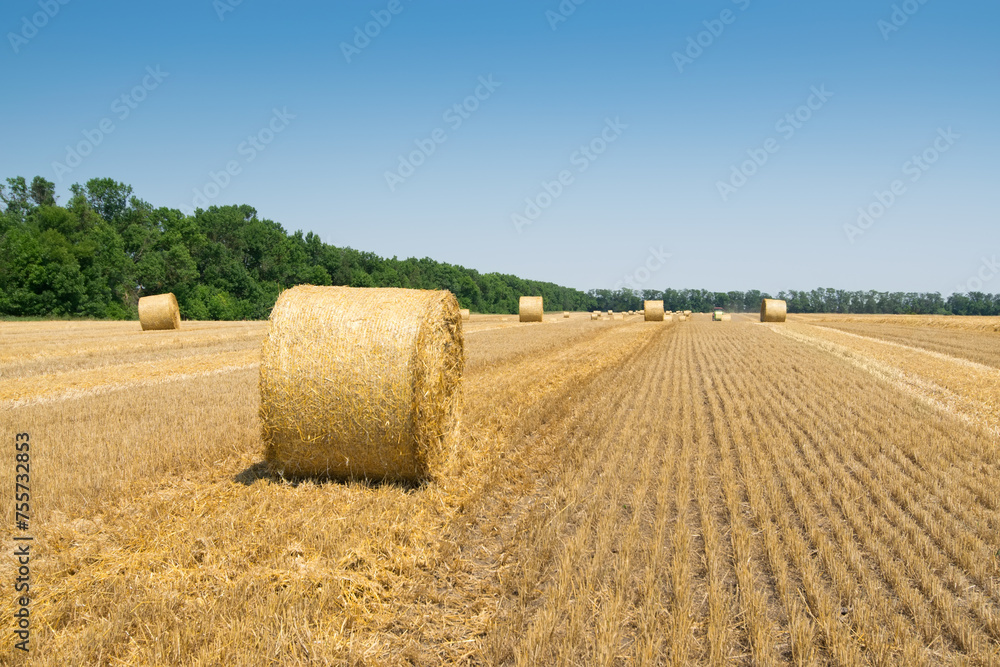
159,312
360,382
465,313
773,310
529,309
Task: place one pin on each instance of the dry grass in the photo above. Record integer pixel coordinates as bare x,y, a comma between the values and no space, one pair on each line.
729,510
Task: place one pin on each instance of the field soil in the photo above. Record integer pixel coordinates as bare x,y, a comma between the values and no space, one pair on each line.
819,492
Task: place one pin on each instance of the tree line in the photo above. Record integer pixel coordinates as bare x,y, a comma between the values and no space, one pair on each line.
106,248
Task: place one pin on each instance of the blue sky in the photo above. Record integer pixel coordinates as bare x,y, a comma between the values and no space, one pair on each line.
739,137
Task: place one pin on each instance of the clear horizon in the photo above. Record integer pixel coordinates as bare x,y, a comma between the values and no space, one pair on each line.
726,146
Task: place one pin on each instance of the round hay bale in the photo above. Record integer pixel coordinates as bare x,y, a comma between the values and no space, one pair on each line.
565,314
465,313
688,313
529,309
773,310
595,316
159,312
726,317
618,316
610,313
360,382
652,311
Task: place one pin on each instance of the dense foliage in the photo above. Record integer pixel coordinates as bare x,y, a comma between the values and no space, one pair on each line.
106,248
816,301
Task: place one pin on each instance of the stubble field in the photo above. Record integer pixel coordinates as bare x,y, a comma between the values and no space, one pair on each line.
823,491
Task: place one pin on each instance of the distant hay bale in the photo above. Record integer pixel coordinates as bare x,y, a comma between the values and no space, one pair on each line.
360,382
159,312
688,313
773,310
726,317
565,314
529,309
618,316
595,316
465,313
652,311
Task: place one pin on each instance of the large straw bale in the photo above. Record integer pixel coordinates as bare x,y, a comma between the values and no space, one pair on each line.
726,317
565,314
652,311
529,309
595,316
773,310
159,312
360,382
465,313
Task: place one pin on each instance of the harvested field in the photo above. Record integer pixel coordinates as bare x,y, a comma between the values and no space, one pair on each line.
619,492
